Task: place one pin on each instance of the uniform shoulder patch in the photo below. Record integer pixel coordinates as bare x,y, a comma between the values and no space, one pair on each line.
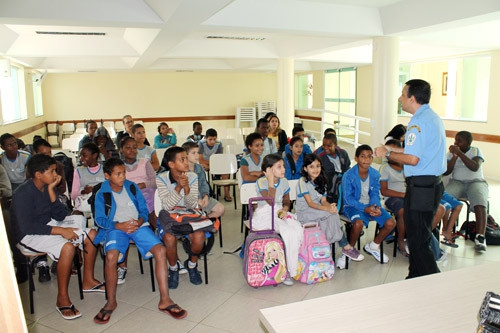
410,140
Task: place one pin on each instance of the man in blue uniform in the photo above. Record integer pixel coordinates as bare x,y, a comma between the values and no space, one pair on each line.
424,159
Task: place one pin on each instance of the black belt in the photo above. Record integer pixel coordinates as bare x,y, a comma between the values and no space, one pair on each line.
423,180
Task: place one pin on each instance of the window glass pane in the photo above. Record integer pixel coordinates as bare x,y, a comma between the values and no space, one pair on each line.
13,96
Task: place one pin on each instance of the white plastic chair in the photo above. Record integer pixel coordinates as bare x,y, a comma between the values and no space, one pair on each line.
234,149
80,130
247,130
53,129
68,129
108,124
223,164
245,114
53,140
70,144
247,191
293,189
119,126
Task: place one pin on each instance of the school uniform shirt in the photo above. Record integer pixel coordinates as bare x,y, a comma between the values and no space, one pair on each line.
425,139
297,166
207,151
461,172
250,163
195,138
307,187
169,196
16,169
395,179
84,176
352,189
269,147
5,187
282,187
32,209
145,152
141,171
306,149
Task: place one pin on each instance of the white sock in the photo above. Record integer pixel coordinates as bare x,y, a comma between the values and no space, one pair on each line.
173,268
374,246
191,265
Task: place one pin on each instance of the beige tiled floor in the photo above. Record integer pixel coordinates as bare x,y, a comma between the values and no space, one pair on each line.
227,303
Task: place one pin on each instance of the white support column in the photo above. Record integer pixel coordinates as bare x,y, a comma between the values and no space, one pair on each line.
285,103
385,87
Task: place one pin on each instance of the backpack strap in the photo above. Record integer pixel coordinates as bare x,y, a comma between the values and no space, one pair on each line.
107,198
292,163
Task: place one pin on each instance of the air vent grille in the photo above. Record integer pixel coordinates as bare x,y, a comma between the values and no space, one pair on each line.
236,37
71,33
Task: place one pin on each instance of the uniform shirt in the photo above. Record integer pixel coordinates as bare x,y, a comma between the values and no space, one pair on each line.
16,169
461,172
425,139
252,166
141,171
84,176
127,209
269,147
395,179
281,187
207,151
307,187
5,187
145,152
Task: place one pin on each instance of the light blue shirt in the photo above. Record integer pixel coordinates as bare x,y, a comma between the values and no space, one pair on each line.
425,139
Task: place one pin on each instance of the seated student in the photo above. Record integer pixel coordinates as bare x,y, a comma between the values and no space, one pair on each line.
295,159
263,130
250,165
312,206
143,150
86,177
125,219
329,130
360,189
453,208
277,133
393,188
467,181
208,146
166,136
285,224
90,128
128,122
209,205
42,226
13,160
179,187
299,132
196,137
106,147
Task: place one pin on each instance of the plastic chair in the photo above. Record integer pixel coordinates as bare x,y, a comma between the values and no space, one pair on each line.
68,129
70,144
53,129
223,164
247,191
30,267
246,114
53,140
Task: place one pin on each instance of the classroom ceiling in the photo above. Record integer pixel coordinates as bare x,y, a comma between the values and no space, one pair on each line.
237,35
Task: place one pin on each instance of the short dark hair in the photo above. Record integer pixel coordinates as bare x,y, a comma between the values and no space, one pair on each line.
295,139
40,142
196,123
36,137
159,126
136,126
329,130
332,137
92,147
5,137
89,122
394,142
211,132
297,129
39,163
466,135
269,161
125,139
363,148
188,145
262,120
419,89
251,138
170,156
110,164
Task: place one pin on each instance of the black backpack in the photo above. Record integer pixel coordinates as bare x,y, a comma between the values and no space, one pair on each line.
107,198
69,169
334,190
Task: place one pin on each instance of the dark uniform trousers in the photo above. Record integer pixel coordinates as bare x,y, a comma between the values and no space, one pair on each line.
423,194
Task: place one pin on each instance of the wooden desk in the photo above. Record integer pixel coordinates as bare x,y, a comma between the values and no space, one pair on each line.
444,302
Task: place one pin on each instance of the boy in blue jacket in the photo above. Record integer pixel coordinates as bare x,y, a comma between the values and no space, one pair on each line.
361,197
122,215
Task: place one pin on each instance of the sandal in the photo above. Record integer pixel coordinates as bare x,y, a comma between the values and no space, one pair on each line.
99,318
179,314
403,252
96,288
71,308
228,199
450,243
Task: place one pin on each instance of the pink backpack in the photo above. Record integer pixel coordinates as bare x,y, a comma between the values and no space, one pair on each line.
264,261
315,257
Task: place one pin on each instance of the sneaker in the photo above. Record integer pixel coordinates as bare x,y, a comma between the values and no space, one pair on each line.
43,271
375,253
122,272
288,281
353,254
182,269
173,279
341,262
53,268
480,243
194,273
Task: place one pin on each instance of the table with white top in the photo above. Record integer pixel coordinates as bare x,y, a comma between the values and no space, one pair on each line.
443,302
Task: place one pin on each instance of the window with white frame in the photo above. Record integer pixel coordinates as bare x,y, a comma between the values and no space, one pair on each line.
340,96
13,96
